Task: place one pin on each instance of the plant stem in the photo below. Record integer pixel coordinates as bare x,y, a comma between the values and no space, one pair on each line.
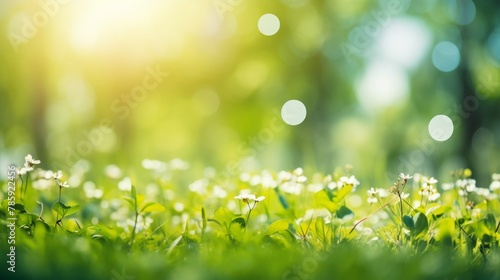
133,230
401,210
248,216
364,219
23,190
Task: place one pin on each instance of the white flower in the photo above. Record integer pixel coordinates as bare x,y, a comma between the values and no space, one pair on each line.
245,197
298,171
301,179
470,188
349,180
495,185
483,192
260,198
57,175
431,181
63,184
22,171
372,200
372,191
249,197
404,195
461,183
29,161
434,196
405,177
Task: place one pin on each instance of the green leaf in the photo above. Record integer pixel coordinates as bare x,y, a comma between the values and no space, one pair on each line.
487,238
342,193
343,211
276,226
446,227
64,210
174,244
240,221
421,223
438,210
25,220
130,201
72,209
215,221
322,199
408,221
323,231
282,199
152,207
59,208
490,222
133,195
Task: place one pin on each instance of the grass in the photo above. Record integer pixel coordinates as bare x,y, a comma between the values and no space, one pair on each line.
265,225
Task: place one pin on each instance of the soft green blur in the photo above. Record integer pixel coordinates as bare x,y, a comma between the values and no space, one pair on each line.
209,86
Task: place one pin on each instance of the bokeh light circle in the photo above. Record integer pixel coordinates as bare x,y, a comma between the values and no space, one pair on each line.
293,112
269,24
446,56
440,128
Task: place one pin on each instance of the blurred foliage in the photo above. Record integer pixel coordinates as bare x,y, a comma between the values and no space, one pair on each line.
69,65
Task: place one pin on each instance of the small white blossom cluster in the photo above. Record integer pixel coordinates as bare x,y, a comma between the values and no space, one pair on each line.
429,189
495,184
468,186
291,182
57,177
41,177
29,163
345,181
246,197
398,187
374,194
295,182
